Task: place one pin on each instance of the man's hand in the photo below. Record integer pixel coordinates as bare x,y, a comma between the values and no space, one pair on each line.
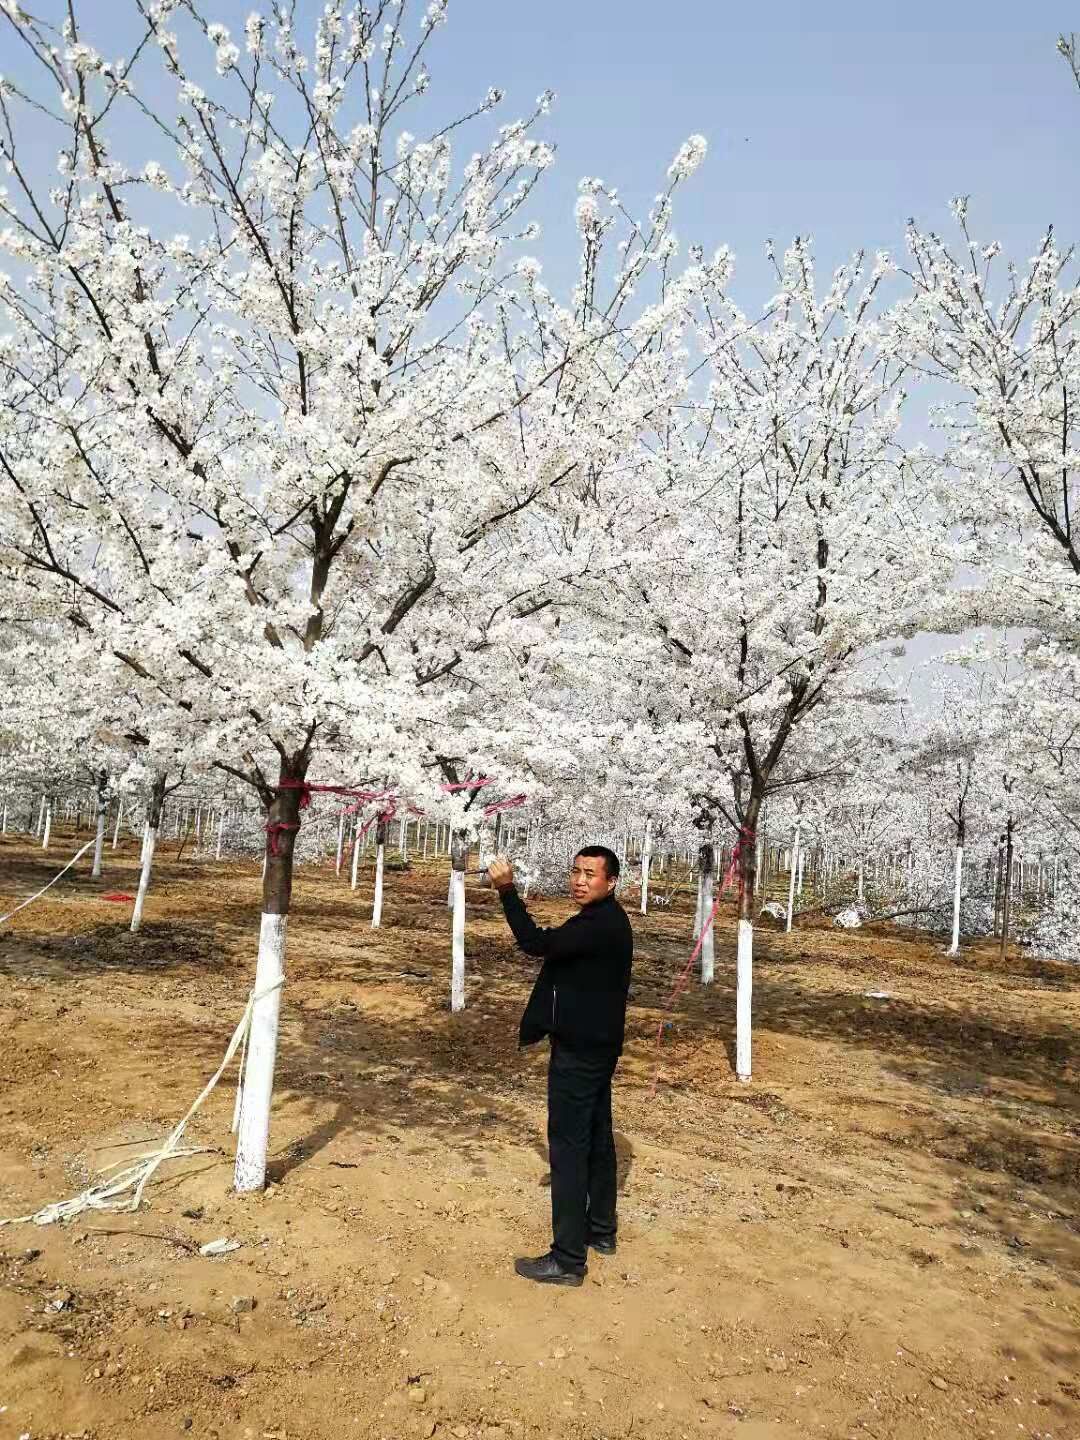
501,873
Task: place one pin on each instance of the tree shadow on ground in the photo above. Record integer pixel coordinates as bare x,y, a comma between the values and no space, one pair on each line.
340,1081
460,1076
345,1083
945,1035
989,1189
1001,1088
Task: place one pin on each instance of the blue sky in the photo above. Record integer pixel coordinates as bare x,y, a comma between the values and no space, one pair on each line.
837,119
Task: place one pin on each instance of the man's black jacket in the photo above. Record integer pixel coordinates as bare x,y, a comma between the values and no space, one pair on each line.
580,994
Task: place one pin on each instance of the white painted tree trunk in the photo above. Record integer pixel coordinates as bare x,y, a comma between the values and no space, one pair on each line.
861,891
116,827
40,827
48,827
795,865
427,837
708,950
149,846
376,909
355,856
3,828
457,941
646,861
340,842
459,859
220,835
744,981
99,841
800,880
254,1128
958,872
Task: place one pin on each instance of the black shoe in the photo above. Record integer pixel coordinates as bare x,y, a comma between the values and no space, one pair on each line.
603,1245
547,1271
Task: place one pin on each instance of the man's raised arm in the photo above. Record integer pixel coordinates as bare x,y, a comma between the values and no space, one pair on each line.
561,942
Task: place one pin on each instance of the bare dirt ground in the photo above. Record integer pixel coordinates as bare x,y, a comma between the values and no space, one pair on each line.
878,1237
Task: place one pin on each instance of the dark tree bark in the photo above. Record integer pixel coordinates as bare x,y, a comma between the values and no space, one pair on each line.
1007,898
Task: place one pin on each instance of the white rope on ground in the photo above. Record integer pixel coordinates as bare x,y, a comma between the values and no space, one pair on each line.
108,1194
22,906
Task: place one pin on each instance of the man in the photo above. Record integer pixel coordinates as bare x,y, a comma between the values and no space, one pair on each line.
579,999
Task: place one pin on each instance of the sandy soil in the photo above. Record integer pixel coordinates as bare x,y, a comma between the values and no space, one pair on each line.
878,1237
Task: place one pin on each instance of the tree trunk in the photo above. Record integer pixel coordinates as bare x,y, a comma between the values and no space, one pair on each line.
459,856
119,817
646,861
997,884
340,842
795,865
706,885
958,876
744,955
1007,896
153,820
102,808
220,835
700,892
355,853
380,861
909,882
46,834
283,823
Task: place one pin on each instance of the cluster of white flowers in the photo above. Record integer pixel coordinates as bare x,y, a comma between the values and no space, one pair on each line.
586,215
689,157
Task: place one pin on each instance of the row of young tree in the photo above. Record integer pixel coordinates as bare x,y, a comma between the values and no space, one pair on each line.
308,479
937,823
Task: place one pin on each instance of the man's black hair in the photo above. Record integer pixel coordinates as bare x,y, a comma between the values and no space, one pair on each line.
601,852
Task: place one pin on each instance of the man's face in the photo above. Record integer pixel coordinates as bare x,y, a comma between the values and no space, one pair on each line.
589,880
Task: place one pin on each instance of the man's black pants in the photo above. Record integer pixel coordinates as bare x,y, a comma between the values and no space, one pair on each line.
582,1151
